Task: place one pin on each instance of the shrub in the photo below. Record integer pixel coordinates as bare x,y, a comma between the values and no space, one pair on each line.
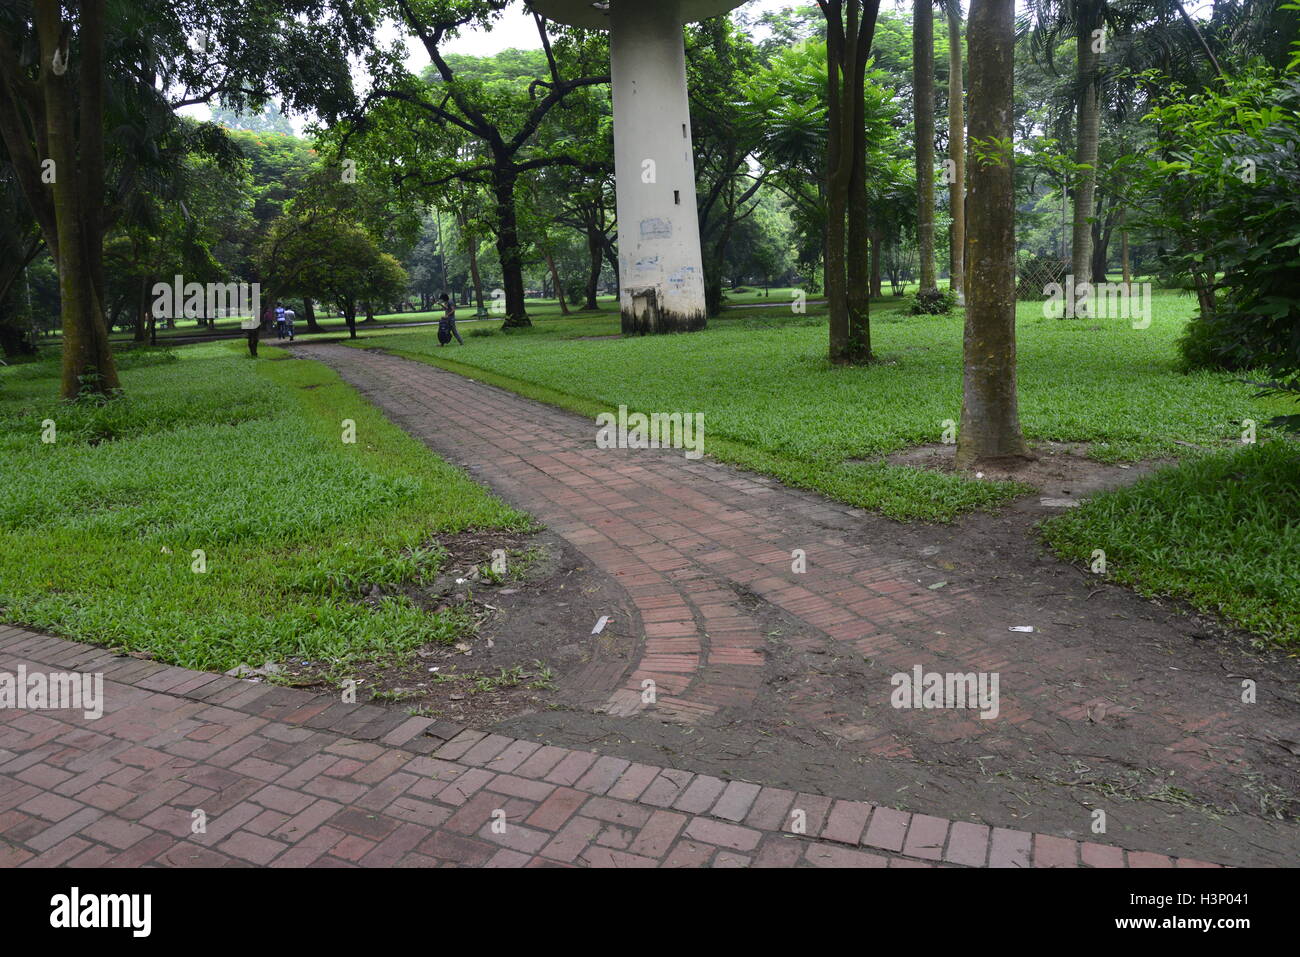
939,303
1223,185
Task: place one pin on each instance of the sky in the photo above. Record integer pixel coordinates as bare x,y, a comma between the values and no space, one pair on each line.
516,29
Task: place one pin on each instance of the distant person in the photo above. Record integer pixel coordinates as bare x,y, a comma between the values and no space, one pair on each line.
279,320
289,317
447,325
268,318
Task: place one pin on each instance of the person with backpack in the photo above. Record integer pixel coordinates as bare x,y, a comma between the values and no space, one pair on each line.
447,325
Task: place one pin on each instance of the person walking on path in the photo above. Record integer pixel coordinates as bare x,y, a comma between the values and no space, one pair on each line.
289,316
447,326
252,327
279,320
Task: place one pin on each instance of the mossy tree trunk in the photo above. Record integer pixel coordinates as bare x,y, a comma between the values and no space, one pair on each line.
990,418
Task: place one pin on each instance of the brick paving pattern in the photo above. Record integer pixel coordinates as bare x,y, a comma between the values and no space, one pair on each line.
277,787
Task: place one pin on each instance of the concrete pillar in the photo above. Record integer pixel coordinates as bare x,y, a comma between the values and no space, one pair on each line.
660,266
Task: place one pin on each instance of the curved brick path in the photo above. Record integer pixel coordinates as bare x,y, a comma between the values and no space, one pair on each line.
285,778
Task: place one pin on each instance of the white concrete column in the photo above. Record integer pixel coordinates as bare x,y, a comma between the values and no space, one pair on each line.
661,272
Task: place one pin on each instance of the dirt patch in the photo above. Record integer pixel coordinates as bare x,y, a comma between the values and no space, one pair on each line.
529,647
1061,471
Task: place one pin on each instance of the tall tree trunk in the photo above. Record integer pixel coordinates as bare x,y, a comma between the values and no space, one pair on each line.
471,249
509,250
850,26
923,95
595,250
143,307
839,145
1102,228
859,228
1089,121
990,418
77,192
956,153
309,313
714,258
477,278
876,290
555,281
1123,248
349,309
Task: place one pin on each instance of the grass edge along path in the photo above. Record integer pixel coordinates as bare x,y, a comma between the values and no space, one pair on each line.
1218,532
843,483
1165,573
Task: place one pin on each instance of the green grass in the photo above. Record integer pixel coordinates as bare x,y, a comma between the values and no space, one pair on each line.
188,328
244,461
773,403
1220,532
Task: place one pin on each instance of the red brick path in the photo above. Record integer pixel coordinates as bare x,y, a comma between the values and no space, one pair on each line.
284,778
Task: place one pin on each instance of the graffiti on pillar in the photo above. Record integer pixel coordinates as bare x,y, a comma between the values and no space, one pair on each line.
656,229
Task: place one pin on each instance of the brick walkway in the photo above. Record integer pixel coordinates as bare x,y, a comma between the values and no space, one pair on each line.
284,778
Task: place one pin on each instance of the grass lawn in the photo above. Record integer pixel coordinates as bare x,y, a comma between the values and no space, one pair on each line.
244,461
187,328
1220,532
773,403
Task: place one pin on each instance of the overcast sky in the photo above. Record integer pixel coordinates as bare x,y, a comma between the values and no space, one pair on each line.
516,29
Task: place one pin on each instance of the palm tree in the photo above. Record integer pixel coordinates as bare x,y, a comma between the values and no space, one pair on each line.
923,99
956,151
1171,37
1086,22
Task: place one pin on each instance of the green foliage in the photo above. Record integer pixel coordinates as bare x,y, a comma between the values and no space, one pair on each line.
938,303
330,258
1225,186
244,461
786,101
